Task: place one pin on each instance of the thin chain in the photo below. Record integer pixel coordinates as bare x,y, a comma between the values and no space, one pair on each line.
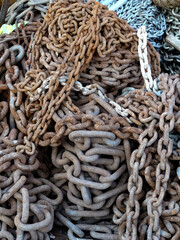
144,12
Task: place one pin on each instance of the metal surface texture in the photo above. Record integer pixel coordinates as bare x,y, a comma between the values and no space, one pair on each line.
89,129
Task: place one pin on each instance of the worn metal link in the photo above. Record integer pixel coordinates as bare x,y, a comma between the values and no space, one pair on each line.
27,198
162,146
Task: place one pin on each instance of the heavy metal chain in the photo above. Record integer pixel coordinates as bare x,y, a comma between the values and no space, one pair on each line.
141,157
102,163
164,150
25,212
104,45
135,182
142,51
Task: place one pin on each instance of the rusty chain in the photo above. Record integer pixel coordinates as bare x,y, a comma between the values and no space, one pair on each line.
44,77
83,145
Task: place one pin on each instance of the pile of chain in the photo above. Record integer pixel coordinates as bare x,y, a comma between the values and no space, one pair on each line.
94,158
20,8
171,55
27,197
141,12
84,145
60,54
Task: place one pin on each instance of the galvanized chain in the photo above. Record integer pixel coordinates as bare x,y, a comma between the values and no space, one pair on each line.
95,88
143,12
170,54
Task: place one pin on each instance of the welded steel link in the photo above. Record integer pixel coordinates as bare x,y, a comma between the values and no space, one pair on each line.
93,164
124,71
138,160
167,3
95,88
41,83
27,198
13,48
23,192
143,12
26,194
104,230
3,12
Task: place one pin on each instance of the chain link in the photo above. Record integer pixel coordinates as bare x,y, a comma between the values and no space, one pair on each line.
143,12
143,58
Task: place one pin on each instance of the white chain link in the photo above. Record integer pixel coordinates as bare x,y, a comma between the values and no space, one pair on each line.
143,58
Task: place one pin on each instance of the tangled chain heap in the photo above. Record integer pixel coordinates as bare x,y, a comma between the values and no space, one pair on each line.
170,55
99,156
25,211
20,8
69,38
144,12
